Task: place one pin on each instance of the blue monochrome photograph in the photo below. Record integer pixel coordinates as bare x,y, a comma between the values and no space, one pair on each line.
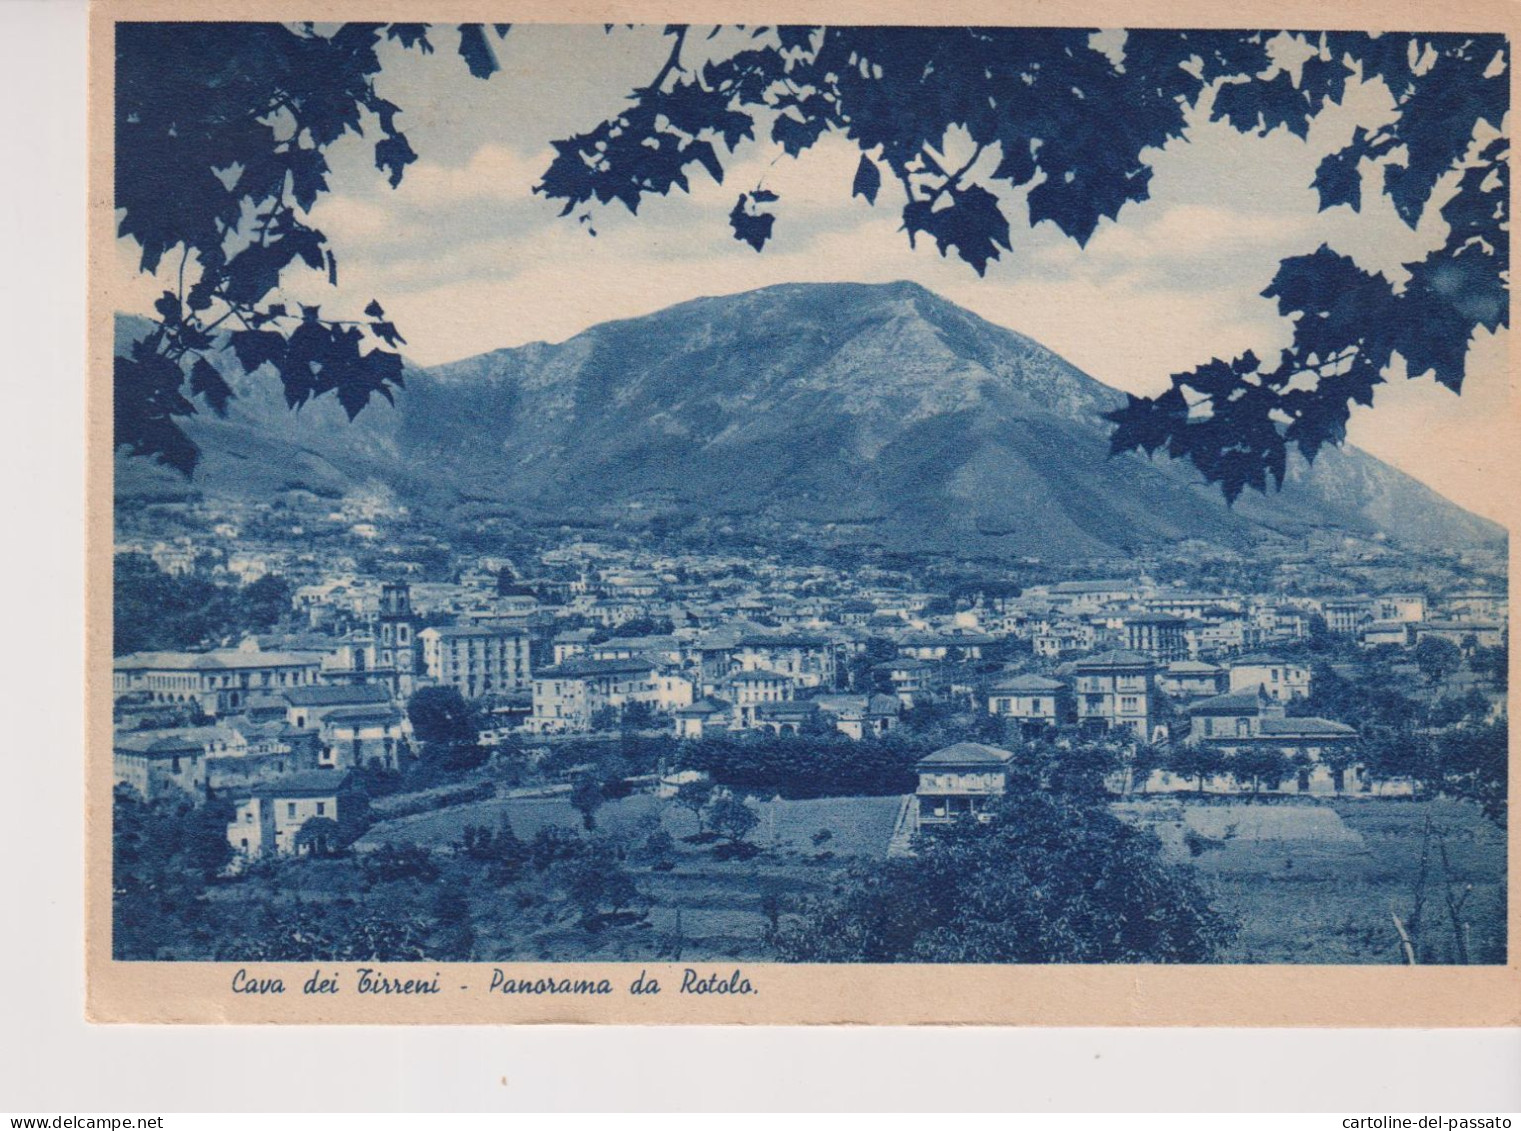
808,494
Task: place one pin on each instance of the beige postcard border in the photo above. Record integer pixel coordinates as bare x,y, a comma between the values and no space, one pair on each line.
1227,996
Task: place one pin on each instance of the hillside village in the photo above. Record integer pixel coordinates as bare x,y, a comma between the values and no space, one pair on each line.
1196,689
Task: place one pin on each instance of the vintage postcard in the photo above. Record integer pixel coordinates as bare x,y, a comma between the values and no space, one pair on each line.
797,514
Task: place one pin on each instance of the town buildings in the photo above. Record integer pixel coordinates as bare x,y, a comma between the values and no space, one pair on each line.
806,661
749,690
703,718
1160,636
478,661
599,635
1114,692
1346,617
307,707
371,735
1385,634
1320,752
1463,633
960,781
861,716
568,697
1277,678
1192,679
277,819
1034,702
911,680
396,636
217,682
157,765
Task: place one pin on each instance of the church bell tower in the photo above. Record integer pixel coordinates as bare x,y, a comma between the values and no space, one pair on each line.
396,643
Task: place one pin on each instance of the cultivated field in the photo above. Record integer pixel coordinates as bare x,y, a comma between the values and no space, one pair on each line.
1321,882
704,908
1307,881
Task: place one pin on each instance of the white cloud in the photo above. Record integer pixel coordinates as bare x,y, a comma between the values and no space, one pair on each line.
1194,233
494,172
354,222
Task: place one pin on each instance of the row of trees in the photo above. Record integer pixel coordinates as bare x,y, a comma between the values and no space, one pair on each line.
1261,767
825,763
814,765
1468,761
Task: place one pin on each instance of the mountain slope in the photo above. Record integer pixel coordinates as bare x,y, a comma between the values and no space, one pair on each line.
839,411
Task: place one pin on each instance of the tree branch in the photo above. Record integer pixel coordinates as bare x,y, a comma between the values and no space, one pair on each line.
672,62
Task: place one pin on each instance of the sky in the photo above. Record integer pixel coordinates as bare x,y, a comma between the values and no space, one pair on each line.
465,258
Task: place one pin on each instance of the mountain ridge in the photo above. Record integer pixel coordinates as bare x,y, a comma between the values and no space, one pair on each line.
848,412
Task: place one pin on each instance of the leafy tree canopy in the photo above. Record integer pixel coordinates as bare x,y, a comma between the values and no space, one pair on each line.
267,600
732,819
1437,658
154,610
441,715
1051,879
221,131
163,856
586,796
1475,765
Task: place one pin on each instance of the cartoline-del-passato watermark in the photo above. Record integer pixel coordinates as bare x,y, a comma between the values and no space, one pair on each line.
1424,1122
